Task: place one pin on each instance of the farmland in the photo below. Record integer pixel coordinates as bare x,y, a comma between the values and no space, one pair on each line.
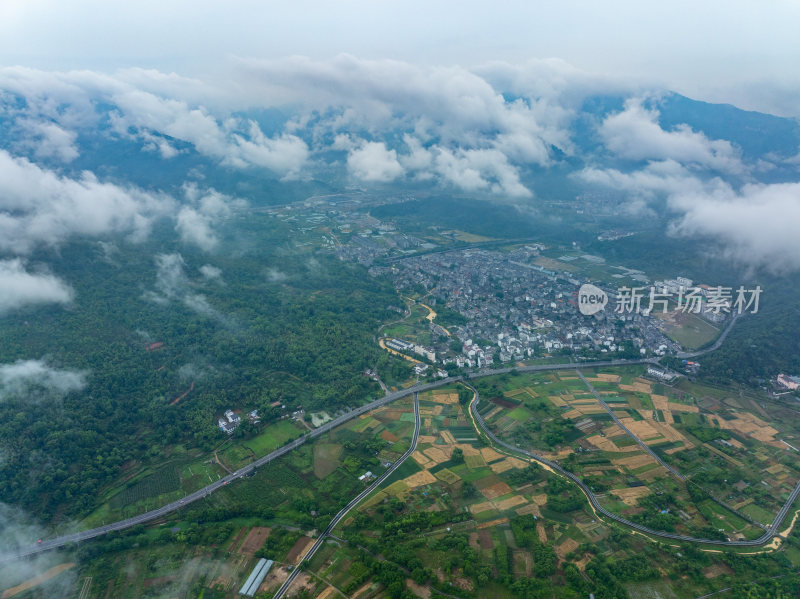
462,517
727,452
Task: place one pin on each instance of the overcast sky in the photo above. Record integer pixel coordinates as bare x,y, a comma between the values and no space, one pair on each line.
743,52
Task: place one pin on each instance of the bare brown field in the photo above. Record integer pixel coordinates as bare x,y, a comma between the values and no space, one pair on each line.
477,508
541,531
507,464
468,449
387,435
37,580
448,437
254,540
299,549
495,491
633,462
493,523
490,455
641,428
419,479
499,467
437,454
420,458
531,508
566,547
511,502
445,397
473,541
631,495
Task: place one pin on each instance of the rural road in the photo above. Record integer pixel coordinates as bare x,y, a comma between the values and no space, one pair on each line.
85,535
769,533
346,509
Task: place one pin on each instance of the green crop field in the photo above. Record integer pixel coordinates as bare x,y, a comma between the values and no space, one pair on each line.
274,436
165,480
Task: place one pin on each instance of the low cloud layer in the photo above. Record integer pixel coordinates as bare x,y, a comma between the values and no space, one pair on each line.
19,288
203,208
635,134
40,207
172,284
484,130
17,529
36,379
457,115
757,226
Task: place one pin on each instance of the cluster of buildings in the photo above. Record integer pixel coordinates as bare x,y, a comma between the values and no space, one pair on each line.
412,348
516,309
231,420
682,287
661,374
788,382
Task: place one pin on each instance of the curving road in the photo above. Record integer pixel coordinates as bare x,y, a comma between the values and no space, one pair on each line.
204,492
770,532
85,535
654,455
716,345
346,509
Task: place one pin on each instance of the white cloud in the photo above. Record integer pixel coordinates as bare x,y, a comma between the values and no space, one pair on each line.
757,226
195,220
475,170
34,378
635,134
171,279
172,284
48,140
212,273
657,178
40,207
373,162
18,530
20,288
195,228
275,276
285,154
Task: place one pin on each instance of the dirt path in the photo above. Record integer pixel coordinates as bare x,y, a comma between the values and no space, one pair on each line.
37,580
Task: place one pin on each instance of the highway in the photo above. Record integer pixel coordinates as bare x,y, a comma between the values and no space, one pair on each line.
769,533
85,535
346,509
